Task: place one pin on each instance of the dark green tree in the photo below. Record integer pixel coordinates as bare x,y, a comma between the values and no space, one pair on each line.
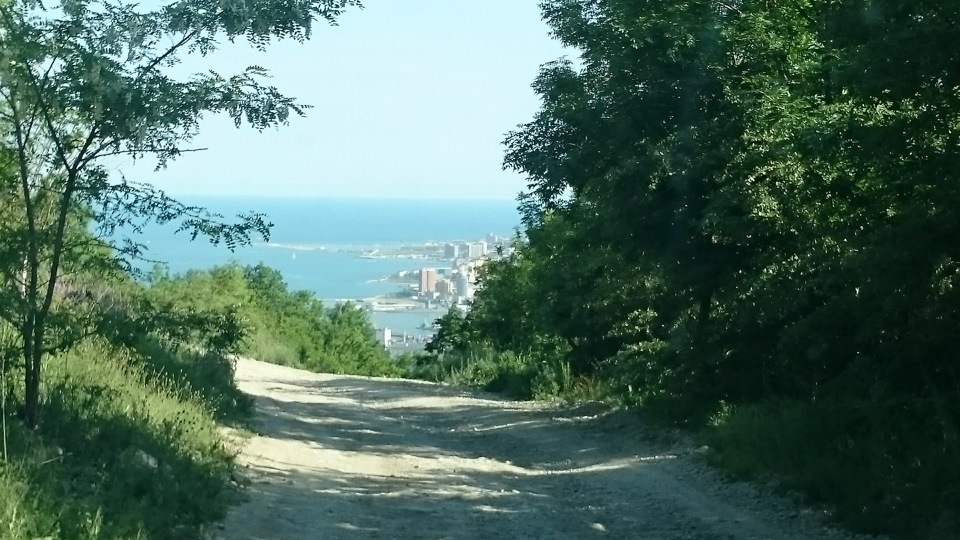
453,334
750,201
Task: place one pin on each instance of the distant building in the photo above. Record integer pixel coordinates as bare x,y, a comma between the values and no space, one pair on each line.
428,280
471,272
477,250
445,287
464,281
451,251
384,337
473,267
461,283
494,239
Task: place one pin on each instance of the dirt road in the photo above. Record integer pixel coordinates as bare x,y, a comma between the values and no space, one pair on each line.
349,457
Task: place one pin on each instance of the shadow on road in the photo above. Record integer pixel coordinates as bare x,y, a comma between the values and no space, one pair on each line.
401,459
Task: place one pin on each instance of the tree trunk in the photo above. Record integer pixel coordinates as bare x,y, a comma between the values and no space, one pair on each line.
31,408
30,382
31,378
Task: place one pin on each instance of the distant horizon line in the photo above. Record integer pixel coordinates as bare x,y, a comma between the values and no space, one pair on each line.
353,197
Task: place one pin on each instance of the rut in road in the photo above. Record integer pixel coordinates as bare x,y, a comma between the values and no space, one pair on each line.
353,457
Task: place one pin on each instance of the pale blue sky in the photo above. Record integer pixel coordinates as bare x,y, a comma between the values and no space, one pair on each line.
411,98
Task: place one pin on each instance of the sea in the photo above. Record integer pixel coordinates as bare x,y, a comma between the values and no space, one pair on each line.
317,243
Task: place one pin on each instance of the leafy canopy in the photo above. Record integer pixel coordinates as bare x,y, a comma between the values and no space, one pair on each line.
83,83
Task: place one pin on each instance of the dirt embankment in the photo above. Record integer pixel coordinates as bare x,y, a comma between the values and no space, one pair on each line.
350,457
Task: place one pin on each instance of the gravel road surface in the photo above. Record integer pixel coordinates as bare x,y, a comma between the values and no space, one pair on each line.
343,457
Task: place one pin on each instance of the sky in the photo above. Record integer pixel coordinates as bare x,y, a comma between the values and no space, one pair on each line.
411,99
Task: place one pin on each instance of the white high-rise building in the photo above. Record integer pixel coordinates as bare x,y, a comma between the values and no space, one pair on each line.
384,337
462,284
477,250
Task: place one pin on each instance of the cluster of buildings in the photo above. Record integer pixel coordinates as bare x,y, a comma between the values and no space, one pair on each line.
456,285
438,288
447,286
467,251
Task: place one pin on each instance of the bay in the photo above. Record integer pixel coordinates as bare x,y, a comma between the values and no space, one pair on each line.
316,242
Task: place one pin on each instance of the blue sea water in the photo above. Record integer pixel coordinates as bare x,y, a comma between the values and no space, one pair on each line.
341,227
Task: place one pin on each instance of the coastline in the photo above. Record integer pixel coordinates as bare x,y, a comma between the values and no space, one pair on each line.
385,303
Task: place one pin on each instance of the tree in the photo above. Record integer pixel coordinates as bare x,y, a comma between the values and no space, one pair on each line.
453,334
82,81
755,203
770,193
627,156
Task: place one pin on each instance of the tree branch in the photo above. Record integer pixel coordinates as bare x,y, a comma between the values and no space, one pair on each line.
126,152
166,54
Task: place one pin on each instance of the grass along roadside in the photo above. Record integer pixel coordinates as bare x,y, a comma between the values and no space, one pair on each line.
879,467
128,448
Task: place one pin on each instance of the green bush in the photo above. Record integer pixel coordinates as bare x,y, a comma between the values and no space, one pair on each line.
422,365
504,373
291,328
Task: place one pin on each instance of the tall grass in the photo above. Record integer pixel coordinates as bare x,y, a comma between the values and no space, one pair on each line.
128,447
267,348
194,374
879,467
